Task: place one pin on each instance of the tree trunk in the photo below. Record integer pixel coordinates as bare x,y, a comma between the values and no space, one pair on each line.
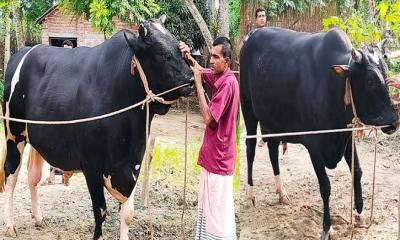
7,41
356,4
224,18
18,28
201,23
213,10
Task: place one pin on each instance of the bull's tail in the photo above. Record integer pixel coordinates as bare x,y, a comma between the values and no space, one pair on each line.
2,161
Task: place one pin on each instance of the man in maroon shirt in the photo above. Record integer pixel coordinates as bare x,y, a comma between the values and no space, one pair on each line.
217,155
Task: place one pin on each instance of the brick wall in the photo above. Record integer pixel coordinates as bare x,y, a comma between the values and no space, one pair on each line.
68,26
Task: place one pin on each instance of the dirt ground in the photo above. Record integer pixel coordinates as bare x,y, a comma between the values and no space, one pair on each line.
302,219
67,210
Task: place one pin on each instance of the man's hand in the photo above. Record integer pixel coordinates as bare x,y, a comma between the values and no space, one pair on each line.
197,75
186,54
393,82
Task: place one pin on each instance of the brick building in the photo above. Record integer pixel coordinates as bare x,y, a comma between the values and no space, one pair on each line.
58,27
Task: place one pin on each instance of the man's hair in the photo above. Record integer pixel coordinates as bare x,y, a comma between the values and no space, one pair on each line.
68,43
226,46
260,10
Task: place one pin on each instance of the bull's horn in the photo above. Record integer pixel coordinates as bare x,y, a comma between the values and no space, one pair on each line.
356,55
381,44
162,18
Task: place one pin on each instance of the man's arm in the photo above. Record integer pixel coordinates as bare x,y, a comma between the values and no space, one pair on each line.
197,72
204,109
393,82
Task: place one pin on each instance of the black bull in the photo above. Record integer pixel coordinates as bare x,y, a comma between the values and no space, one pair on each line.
293,81
62,84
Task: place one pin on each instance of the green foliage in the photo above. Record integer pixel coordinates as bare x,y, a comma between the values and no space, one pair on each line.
181,23
276,7
33,9
389,12
359,30
363,30
101,12
394,66
234,18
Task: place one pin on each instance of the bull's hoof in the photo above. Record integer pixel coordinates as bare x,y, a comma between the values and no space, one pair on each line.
282,196
284,199
253,201
40,224
10,231
329,235
361,220
251,195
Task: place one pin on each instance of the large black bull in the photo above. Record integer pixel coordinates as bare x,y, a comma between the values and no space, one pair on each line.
61,84
292,81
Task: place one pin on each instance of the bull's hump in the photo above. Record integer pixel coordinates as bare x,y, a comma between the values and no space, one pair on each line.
337,38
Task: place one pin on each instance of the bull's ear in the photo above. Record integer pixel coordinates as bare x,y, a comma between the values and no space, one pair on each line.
341,70
143,32
162,18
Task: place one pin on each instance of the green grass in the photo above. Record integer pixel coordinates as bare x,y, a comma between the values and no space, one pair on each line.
168,164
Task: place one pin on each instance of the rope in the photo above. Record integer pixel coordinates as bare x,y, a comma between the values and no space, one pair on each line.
184,181
151,98
365,127
373,177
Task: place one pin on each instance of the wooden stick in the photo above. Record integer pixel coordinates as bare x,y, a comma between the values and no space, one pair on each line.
147,168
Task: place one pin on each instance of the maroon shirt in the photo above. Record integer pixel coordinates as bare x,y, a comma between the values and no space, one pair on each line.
218,152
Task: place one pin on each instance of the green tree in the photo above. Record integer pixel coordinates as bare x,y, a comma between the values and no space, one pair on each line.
364,28
234,19
277,7
180,22
101,12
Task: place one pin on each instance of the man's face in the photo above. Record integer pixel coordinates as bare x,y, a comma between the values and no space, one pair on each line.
261,19
218,62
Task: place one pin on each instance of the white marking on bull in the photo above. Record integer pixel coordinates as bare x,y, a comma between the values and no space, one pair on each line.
160,27
137,167
14,82
134,177
126,216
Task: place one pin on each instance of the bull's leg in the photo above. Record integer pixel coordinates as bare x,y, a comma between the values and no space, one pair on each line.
12,165
325,190
273,149
126,216
251,128
94,182
360,218
35,165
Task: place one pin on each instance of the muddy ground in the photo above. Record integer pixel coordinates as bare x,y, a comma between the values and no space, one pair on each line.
303,218
67,210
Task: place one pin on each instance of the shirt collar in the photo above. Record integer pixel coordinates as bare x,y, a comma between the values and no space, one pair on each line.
220,78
